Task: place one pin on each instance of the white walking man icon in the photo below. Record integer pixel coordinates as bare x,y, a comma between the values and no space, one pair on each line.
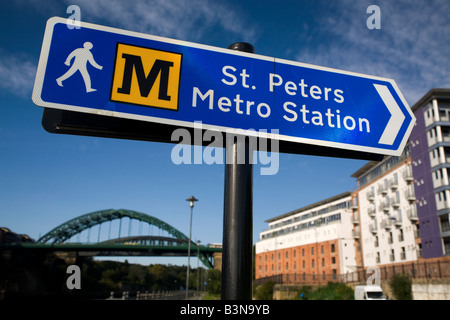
82,57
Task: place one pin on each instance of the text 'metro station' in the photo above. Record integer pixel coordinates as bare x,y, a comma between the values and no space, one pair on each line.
105,71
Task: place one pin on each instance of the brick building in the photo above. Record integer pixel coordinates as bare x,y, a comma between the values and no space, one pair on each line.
312,243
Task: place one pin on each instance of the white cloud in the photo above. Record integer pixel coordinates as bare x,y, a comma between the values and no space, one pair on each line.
186,20
17,74
411,47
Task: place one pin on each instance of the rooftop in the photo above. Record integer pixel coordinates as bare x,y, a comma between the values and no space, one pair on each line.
433,93
317,204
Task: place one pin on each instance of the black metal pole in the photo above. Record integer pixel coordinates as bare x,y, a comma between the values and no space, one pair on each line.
237,253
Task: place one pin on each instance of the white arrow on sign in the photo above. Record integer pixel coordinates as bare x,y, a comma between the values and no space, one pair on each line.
397,117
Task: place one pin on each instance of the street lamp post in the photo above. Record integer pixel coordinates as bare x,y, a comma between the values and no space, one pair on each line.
191,204
198,262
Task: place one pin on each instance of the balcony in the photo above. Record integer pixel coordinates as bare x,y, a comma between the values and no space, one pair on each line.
372,212
412,213
410,194
373,228
440,178
416,233
445,227
408,175
442,200
440,155
395,201
355,219
354,204
385,206
355,234
393,183
370,196
398,220
387,224
383,189
419,253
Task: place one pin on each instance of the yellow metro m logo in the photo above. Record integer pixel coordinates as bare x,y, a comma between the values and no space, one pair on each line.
146,77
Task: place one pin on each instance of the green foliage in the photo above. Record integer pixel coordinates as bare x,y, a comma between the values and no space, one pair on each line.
107,276
401,286
214,282
332,291
304,293
265,291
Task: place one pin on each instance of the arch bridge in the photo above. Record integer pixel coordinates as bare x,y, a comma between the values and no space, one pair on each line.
169,242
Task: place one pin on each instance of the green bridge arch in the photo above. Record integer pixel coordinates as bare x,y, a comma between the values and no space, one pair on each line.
76,225
58,236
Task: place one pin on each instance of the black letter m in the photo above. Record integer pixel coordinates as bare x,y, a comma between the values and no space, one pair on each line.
145,82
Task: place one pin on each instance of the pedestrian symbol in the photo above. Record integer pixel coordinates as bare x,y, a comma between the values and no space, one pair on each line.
82,57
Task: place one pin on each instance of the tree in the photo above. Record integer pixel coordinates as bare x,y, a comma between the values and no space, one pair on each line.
214,282
265,291
401,286
332,291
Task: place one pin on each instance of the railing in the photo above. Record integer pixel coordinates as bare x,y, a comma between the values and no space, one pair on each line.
416,270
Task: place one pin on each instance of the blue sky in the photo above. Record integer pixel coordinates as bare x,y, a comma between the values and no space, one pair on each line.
47,179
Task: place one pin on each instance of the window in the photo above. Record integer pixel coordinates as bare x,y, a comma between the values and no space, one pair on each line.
332,247
334,274
312,251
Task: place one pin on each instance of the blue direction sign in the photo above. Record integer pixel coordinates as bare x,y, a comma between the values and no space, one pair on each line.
119,73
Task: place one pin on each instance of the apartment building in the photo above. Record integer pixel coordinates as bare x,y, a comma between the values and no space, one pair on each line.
386,205
399,212
430,156
314,242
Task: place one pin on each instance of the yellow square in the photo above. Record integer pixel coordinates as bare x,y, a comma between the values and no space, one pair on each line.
146,77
